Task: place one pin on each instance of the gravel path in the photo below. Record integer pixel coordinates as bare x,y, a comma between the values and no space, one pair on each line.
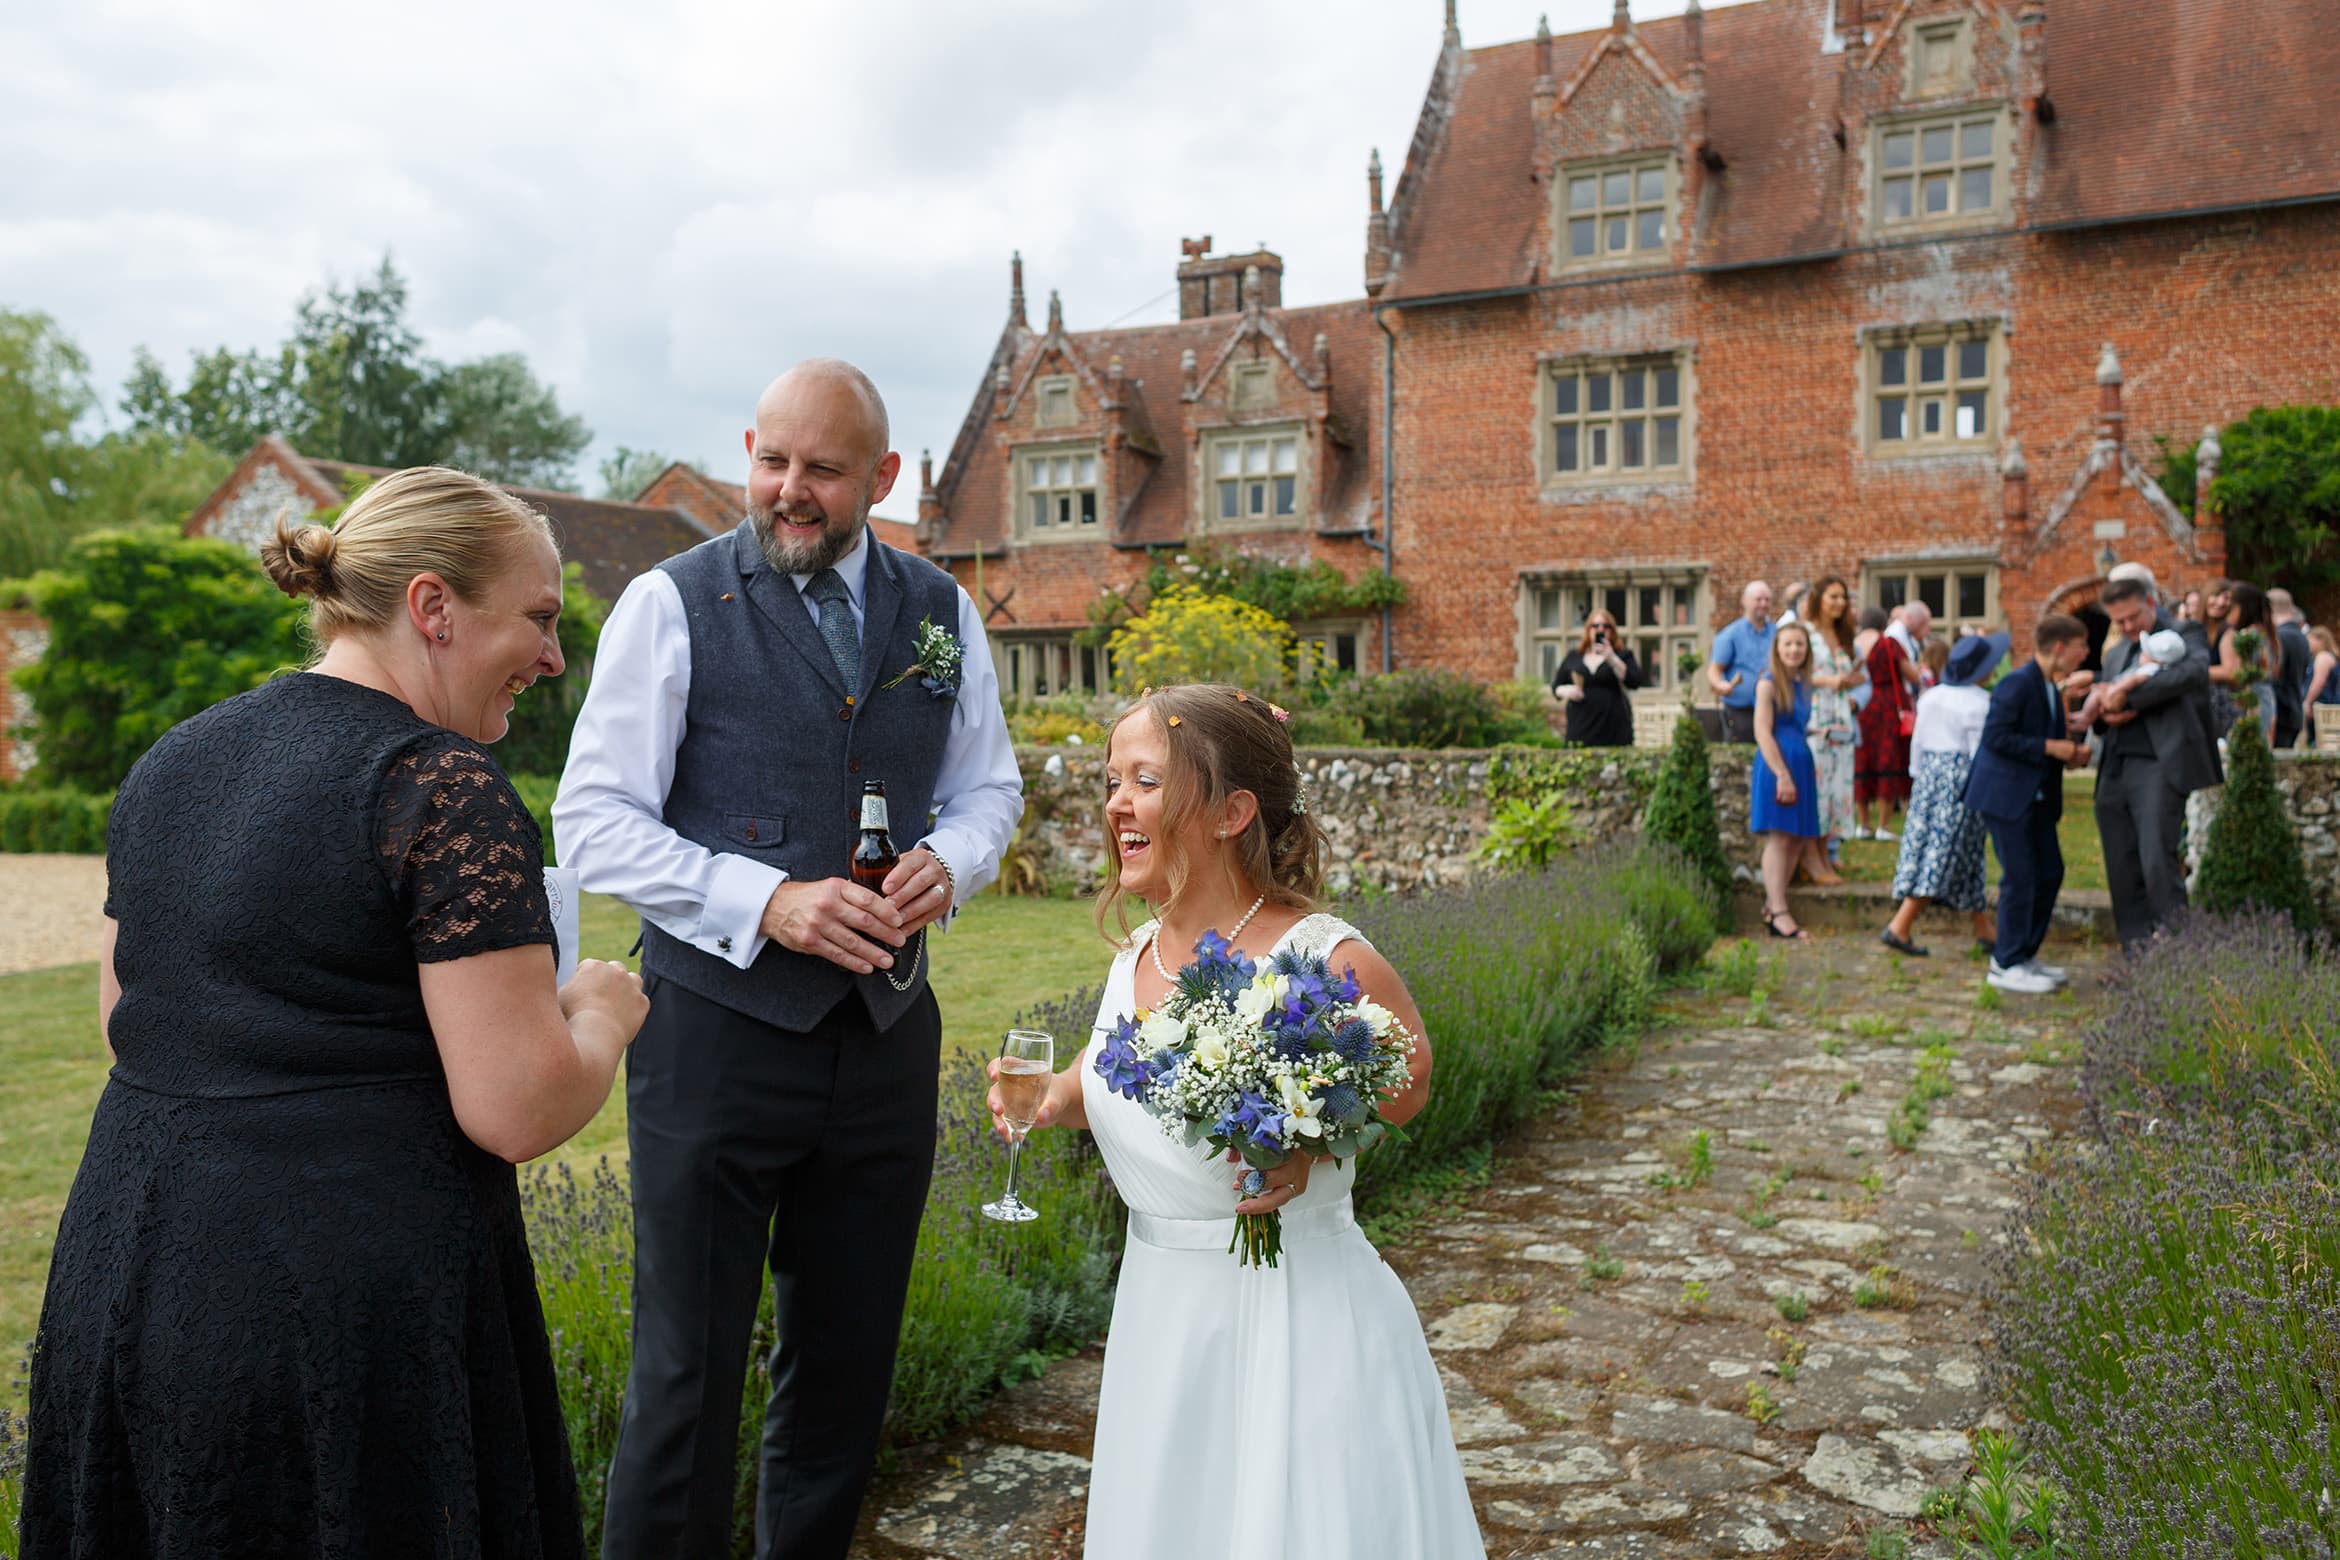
1773,1348
51,910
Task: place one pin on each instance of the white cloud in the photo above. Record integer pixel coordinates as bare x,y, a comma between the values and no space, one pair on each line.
662,206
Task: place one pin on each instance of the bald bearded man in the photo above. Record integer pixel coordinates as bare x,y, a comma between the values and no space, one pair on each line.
781,1097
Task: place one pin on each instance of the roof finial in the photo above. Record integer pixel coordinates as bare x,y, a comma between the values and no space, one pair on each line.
2108,367
1621,20
1016,287
1544,29
1453,28
1055,312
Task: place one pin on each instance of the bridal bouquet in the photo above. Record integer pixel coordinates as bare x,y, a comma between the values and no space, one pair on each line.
1265,1060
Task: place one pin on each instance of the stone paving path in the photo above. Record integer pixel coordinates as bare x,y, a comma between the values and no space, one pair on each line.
1768,1345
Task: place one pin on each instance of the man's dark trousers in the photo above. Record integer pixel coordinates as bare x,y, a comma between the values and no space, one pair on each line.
809,1153
2142,819
1738,724
2031,874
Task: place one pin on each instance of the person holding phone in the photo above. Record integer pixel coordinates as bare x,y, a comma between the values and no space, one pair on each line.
1594,681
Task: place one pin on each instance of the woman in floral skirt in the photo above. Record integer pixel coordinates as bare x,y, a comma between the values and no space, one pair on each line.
1836,672
1942,842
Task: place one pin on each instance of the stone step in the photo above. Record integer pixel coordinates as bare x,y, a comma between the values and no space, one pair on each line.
2082,914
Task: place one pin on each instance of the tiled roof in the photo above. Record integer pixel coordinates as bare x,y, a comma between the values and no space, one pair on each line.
614,542
2159,106
1158,495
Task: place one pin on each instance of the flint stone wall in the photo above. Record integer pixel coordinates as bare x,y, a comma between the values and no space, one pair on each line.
1395,818
2310,786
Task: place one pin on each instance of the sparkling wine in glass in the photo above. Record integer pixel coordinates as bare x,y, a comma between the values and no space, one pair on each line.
1027,1061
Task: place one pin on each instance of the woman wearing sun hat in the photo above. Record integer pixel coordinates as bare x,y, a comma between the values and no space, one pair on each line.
1942,842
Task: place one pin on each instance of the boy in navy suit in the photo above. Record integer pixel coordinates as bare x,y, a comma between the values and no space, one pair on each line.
2018,789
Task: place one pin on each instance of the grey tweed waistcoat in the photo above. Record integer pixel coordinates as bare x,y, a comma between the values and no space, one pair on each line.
775,749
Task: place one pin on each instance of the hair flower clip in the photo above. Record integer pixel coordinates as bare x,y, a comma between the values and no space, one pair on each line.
1173,720
1283,716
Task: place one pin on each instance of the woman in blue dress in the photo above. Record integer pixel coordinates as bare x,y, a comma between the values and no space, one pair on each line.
1785,806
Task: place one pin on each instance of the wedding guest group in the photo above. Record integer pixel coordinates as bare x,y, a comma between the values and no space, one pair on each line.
290,1308
781,1099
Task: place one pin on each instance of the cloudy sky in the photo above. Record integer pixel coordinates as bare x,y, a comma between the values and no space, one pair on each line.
662,205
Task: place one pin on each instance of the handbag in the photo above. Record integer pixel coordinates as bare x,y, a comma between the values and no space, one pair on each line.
1908,722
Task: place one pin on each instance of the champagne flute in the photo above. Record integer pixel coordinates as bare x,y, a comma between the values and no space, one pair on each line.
1027,1062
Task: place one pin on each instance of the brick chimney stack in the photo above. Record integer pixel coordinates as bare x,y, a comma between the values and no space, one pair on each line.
1546,90
1694,80
1016,314
1211,284
1453,29
1376,231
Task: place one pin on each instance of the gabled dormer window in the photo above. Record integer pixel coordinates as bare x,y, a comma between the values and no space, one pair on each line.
1614,213
1059,497
1254,478
1943,170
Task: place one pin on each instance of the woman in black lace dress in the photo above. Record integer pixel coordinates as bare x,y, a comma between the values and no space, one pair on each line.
291,1309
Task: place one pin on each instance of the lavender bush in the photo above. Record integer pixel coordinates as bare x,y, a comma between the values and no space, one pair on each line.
2167,1310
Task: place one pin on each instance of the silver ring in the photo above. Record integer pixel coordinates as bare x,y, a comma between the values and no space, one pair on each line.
934,888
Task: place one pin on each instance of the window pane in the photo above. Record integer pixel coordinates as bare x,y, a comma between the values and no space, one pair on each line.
1893,591
1898,149
1937,144
1646,649
1974,359
1893,366
1669,444
1548,660
1564,394
1060,471
1974,190
1974,413
1933,363
1971,595
1634,383
1650,230
1088,476
1897,198
1255,457
1547,608
1229,456
1287,491
1613,602
1974,138
1930,591
1582,241
1596,392
1653,607
1227,500
1630,435
1620,234
1600,447
1254,499
1564,447
1287,453
1930,416
1089,507
1064,509
1892,413
1669,387
1653,184
1937,194
1039,510
1584,193
1616,188
1683,601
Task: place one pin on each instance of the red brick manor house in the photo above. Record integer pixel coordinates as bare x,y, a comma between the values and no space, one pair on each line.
1902,290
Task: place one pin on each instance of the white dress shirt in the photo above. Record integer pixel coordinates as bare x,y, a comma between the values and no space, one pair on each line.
1949,720
608,819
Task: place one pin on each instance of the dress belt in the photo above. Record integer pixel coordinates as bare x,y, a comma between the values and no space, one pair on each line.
1322,1221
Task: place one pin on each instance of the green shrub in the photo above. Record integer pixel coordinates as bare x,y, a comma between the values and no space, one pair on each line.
536,794
1437,709
1524,835
1667,899
1187,637
1053,721
2251,858
1326,726
58,820
1681,808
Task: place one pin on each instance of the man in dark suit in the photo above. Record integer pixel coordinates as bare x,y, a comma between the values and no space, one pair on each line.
2017,787
2159,748
2294,668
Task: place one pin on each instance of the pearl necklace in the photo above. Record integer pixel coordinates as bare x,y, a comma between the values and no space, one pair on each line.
1155,947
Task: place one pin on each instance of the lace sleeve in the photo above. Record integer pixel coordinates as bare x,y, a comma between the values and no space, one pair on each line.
464,856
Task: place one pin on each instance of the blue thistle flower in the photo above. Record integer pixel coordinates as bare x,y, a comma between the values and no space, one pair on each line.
1342,1105
1353,1041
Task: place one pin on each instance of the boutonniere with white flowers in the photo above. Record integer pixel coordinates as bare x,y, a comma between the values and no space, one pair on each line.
940,660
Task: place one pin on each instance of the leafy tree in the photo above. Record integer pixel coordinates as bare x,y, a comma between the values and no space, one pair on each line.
1184,636
368,394
542,718
1681,807
626,472
145,629
508,427
2278,488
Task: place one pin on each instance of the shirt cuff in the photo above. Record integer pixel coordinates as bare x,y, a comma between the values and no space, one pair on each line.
731,927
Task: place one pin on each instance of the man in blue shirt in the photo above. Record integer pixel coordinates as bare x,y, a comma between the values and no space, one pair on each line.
1742,651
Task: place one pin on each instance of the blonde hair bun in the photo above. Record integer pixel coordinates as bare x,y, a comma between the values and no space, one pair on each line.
300,559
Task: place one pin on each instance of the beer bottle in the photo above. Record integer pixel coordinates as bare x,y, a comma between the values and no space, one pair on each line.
873,855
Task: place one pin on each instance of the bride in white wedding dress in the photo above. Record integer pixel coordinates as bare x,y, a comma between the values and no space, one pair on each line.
1252,1413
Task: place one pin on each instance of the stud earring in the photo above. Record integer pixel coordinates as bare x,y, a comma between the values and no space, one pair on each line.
442,633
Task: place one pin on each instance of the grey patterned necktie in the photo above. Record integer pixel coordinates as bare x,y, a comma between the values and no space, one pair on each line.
828,589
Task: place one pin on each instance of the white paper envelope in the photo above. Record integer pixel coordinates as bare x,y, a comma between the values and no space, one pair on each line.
560,887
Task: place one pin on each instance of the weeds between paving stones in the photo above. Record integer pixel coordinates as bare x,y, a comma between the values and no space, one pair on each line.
1792,1307
1832,1045
1884,1544
1883,1289
1760,1407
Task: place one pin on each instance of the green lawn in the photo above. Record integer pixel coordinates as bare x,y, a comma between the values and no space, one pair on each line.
1005,955
1872,861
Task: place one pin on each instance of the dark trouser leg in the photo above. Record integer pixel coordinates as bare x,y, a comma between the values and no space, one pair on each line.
2018,886
2142,821
841,1247
1738,724
716,1104
2288,725
2047,866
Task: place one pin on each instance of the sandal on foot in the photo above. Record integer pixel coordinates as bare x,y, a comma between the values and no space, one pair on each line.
1900,944
1771,920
